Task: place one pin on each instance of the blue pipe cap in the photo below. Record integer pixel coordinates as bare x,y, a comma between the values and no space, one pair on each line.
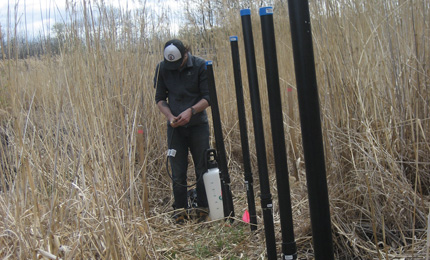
233,38
266,11
208,63
245,12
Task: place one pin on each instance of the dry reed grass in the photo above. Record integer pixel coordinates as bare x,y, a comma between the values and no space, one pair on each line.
70,185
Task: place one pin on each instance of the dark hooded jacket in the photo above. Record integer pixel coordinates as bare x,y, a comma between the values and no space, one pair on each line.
183,88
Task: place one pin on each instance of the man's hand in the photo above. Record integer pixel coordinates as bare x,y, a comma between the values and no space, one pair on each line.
173,121
182,119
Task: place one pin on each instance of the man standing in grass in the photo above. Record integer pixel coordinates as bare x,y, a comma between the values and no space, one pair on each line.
182,95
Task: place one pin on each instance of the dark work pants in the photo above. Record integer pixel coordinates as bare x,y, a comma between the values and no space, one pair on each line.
196,140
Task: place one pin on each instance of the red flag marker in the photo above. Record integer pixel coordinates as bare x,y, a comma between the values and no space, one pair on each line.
245,216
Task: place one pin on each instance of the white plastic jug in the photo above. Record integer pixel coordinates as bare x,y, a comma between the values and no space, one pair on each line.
213,192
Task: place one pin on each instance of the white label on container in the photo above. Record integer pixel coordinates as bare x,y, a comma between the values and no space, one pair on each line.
171,152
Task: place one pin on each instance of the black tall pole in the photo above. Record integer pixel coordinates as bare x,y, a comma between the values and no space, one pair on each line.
227,199
249,182
289,249
266,197
310,120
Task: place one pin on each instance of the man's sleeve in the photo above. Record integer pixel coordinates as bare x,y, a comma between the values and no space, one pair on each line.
203,83
160,87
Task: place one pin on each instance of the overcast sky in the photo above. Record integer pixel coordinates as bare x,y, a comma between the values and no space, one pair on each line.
37,16
32,15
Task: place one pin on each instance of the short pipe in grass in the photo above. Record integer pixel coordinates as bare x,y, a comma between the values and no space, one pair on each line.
227,199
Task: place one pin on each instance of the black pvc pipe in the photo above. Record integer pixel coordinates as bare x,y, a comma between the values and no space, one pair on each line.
310,120
266,197
249,182
289,248
227,198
